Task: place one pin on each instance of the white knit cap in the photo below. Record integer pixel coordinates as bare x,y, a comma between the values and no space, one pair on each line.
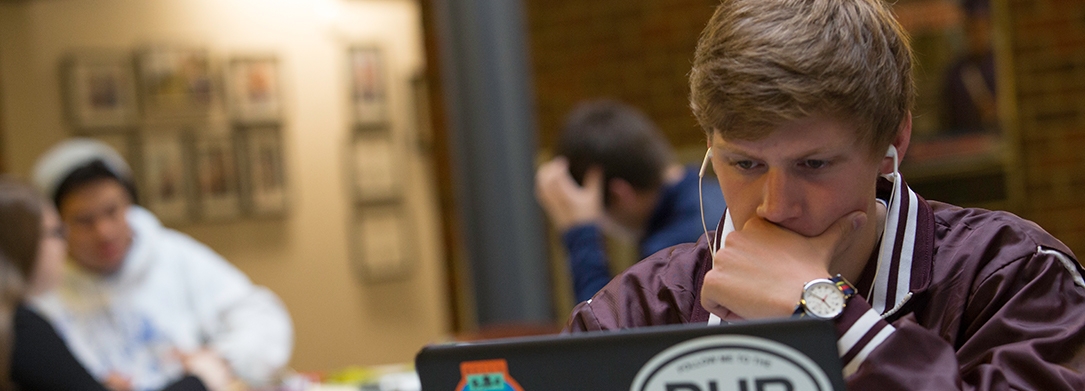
59,162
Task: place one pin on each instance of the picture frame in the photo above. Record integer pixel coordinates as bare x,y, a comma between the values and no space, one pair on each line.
254,90
176,82
265,171
368,86
166,176
422,116
375,168
217,180
382,250
99,90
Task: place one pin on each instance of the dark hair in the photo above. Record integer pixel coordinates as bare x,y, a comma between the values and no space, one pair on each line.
94,171
617,138
20,229
20,235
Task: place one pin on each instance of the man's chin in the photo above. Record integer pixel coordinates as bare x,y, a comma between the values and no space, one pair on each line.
107,266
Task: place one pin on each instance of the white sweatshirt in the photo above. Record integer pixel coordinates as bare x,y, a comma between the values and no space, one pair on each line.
171,294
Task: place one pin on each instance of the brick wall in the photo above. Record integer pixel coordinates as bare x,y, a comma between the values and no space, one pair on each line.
1048,40
640,52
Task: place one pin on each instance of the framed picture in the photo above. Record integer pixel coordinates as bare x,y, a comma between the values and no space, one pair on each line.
166,183
100,90
176,82
265,174
217,180
375,168
382,243
368,86
423,128
253,91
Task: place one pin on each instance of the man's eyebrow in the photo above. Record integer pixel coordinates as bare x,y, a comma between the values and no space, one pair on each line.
827,154
824,154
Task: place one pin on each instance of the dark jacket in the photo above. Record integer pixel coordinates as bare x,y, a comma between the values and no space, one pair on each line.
675,219
955,298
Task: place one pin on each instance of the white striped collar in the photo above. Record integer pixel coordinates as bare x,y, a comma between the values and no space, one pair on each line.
893,279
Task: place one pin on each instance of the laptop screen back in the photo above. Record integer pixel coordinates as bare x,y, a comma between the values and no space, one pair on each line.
791,354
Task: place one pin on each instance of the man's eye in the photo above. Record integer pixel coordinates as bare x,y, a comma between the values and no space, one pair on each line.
744,164
814,163
84,221
113,211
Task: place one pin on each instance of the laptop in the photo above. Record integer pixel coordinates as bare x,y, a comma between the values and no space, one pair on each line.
768,355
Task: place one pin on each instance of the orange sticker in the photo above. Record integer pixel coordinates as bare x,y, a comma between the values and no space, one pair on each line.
487,375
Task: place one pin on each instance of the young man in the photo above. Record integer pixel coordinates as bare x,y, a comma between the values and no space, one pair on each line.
143,304
807,107
615,173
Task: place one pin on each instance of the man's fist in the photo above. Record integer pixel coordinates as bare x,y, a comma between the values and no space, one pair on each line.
566,203
761,269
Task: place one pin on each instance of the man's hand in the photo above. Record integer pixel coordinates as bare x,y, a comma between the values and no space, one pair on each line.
566,203
761,270
211,369
117,382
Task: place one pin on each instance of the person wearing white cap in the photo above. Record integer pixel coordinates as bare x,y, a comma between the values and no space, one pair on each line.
142,304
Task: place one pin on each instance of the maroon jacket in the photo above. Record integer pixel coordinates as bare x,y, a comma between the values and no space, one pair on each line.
954,299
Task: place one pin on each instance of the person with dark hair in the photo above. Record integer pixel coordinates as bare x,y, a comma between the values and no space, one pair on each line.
32,250
807,109
615,173
141,301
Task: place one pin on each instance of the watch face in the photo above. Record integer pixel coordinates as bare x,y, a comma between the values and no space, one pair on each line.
823,299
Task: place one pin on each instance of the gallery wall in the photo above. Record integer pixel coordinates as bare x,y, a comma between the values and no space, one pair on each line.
304,255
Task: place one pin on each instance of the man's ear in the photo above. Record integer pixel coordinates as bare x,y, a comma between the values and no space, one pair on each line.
900,143
621,192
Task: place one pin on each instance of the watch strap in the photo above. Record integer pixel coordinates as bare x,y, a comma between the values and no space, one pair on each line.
844,286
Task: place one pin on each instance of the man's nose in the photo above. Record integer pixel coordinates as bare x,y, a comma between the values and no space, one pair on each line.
779,198
103,227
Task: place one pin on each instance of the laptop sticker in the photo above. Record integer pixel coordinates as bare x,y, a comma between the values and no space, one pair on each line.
487,375
730,362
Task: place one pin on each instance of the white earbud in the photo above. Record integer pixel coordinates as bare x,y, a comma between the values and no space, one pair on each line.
700,196
892,152
704,164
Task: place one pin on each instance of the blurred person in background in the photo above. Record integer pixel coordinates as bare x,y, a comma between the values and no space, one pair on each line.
32,252
616,174
141,300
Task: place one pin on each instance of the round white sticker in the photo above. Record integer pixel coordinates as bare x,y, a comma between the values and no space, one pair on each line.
730,362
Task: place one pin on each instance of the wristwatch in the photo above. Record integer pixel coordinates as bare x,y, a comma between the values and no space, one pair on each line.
825,298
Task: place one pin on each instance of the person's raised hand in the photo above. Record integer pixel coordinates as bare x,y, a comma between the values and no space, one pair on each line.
761,270
566,203
208,366
117,382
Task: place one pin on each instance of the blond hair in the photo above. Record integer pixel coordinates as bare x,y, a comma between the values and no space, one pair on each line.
762,63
